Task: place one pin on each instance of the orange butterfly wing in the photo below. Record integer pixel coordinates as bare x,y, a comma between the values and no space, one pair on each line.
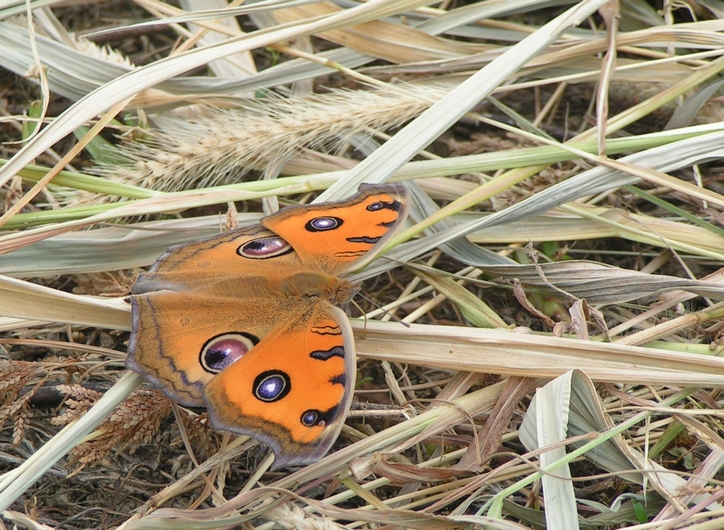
171,332
229,320
336,237
293,390
197,266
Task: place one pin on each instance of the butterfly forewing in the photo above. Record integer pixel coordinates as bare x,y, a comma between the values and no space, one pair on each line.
337,237
252,251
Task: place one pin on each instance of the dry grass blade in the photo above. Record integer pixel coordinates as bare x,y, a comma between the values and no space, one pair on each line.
550,407
26,300
417,135
549,245
527,355
468,405
134,82
579,394
104,249
392,42
602,285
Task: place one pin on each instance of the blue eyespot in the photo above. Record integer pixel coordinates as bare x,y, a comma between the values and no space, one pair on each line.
321,224
310,417
271,386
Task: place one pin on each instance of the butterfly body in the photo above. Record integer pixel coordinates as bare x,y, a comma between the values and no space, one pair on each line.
246,323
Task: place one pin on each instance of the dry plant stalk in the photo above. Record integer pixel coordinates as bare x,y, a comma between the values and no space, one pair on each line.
216,146
13,377
19,383
135,422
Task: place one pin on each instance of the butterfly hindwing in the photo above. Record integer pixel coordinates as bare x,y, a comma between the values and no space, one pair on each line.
176,334
293,390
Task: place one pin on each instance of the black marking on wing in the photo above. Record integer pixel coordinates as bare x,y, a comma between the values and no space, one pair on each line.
394,205
314,417
326,330
340,379
321,355
364,239
350,254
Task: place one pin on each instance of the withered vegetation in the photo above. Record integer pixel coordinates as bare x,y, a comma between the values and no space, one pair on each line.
543,344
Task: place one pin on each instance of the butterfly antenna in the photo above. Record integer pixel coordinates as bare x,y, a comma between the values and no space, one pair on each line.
364,315
378,306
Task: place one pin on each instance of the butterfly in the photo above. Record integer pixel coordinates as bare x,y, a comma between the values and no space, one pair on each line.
247,323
